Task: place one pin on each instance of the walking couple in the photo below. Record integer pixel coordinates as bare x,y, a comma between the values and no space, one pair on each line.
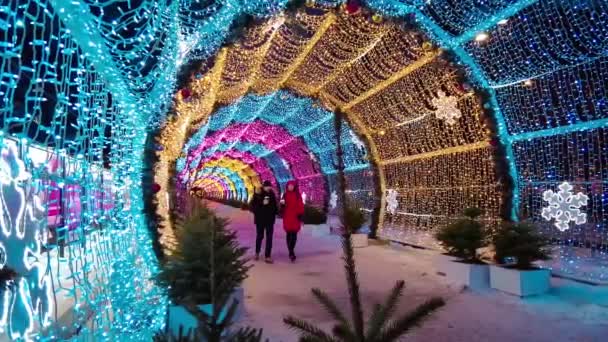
265,209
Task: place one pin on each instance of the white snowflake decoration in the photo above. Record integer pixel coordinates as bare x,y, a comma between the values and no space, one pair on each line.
312,156
391,201
564,206
356,140
333,200
285,163
447,108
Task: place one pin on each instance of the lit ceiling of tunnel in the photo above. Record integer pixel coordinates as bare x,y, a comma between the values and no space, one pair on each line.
459,103
280,166
216,184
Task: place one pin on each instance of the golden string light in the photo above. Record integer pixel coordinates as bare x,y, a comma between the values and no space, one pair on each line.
345,41
289,49
191,112
396,50
244,61
425,59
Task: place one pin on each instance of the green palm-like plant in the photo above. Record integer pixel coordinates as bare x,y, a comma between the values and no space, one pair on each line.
313,215
248,334
381,327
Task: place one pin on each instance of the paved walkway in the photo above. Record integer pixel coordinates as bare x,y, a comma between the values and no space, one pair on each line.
571,312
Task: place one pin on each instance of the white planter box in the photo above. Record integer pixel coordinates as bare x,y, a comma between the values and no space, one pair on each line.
179,316
474,276
359,240
520,283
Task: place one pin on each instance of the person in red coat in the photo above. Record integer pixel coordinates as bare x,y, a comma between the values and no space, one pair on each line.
292,216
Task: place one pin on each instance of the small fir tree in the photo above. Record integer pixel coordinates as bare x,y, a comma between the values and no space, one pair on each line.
522,242
353,218
205,268
463,237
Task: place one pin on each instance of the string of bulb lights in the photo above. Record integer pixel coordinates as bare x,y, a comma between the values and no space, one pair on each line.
489,104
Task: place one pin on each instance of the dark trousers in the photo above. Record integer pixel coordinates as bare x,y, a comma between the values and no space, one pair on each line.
292,238
260,230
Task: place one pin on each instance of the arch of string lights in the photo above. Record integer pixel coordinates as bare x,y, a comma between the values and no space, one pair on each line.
428,171
296,131
82,80
238,183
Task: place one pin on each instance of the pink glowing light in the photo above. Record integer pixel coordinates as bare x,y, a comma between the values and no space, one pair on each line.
274,138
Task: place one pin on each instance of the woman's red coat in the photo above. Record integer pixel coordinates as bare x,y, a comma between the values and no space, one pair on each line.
294,207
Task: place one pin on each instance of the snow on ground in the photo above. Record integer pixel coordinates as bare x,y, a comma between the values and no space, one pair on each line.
571,312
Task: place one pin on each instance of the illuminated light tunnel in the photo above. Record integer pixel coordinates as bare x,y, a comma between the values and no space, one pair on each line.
451,104
437,119
242,174
294,129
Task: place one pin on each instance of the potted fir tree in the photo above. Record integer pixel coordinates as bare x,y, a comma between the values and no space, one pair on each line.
353,219
313,215
203,275
517,246
461,239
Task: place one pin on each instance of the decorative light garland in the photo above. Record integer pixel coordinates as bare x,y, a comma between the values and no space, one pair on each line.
102,76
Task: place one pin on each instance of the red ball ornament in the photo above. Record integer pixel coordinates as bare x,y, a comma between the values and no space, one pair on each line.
186,93
352,7
155,187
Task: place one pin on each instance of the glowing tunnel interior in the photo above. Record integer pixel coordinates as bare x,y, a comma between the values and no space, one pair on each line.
439,114
110,107
413,124
278,137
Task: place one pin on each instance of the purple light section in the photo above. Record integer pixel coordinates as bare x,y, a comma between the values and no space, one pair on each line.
273,137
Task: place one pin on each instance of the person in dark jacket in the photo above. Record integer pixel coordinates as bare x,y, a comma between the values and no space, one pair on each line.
254,202
265,209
